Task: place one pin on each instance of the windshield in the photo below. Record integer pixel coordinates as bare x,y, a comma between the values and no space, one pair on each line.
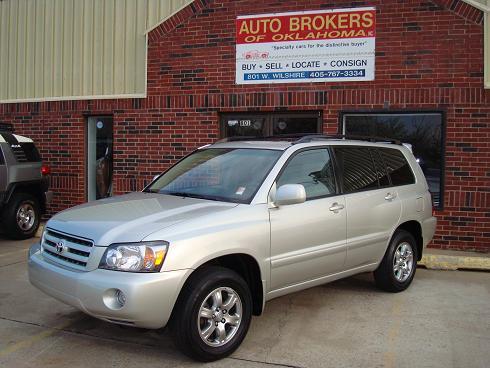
222,174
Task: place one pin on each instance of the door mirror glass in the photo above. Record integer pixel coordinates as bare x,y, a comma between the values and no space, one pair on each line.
290,194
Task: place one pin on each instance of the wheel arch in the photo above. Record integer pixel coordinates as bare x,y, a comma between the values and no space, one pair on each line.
33,188
247,267
415,228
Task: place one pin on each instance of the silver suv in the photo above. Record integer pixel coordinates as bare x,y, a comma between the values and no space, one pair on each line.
233,225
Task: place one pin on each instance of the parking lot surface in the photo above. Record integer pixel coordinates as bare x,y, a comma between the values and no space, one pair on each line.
442,320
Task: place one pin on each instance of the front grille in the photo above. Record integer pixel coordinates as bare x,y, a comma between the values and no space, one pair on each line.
75,250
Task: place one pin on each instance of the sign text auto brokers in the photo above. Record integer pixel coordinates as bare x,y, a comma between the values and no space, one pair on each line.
313,46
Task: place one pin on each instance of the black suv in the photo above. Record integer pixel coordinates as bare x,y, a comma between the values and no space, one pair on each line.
23,186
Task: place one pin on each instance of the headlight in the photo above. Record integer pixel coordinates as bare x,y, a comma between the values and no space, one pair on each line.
135,257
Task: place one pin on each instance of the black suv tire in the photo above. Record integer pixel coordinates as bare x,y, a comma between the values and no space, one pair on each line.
402,251
21,216
186,322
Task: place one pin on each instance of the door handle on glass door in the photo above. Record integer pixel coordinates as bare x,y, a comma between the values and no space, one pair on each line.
336,207
390,196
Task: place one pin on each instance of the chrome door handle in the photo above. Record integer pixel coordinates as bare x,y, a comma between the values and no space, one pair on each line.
336,207
390,196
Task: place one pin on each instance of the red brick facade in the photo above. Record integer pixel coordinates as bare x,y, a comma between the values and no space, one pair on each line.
429,55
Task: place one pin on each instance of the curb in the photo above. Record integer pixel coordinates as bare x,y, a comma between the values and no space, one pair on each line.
435,261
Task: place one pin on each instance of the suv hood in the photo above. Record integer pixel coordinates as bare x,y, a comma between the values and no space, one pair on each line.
131,217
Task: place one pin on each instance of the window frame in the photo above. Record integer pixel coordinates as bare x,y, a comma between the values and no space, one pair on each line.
334,170
269,117
441,112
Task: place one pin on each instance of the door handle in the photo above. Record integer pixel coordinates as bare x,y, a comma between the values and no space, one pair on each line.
336,207
390,196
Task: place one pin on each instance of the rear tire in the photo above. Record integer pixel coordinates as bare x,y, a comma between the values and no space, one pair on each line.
212,314
21,216
397,269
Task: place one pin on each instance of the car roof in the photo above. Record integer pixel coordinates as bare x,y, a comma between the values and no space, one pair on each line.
283,145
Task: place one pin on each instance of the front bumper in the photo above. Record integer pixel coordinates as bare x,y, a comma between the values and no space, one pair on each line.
150,297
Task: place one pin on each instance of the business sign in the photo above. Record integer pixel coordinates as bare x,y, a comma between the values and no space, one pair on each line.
312,46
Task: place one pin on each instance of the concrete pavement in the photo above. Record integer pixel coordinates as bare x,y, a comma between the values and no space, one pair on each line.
442,320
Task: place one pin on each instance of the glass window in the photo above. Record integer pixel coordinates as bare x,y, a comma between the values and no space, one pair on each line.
270,124
222,174
244,126
30,151
313,169
424,131
22,151
285,125
99,157
357,169
383,178
397,166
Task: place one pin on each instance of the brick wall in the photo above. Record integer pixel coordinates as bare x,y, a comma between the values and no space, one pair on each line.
429,56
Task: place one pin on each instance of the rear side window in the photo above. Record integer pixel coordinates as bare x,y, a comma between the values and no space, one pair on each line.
22,151
314,170
397,167
383,178
28,153
357,168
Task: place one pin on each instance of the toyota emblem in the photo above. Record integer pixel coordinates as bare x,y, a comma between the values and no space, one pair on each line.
60,246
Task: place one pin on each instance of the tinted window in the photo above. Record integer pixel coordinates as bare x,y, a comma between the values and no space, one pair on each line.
424,131
397,166
270,124
244,126
30,151
313,169
383,177
357,169
284,125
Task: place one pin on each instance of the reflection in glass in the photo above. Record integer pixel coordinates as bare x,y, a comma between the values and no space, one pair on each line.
422,130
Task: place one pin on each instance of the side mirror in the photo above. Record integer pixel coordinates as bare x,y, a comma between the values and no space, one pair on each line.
290,194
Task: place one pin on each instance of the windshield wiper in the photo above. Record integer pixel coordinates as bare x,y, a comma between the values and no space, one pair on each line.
182,194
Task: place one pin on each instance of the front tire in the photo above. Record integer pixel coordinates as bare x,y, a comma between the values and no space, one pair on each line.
397,269
212,315
21,216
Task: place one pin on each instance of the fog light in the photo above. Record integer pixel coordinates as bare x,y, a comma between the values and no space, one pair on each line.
121,298
114,299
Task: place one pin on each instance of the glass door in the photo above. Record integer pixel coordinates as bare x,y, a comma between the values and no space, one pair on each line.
99,157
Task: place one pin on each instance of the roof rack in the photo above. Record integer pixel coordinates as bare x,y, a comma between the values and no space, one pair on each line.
373,139
261,138
302,138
